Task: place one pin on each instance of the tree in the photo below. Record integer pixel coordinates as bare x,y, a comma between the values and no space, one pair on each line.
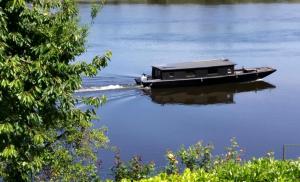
42,134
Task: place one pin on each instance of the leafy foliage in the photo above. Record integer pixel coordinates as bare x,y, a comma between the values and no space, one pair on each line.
42,134
201,166
172,166
134,169
262,169
196,156
233,153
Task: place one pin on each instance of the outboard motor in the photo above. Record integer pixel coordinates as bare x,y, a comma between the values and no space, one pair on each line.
143,78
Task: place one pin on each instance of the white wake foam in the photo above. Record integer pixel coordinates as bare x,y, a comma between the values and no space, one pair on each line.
108,87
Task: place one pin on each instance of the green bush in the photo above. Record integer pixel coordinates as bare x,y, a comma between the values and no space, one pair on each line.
172,166
198,164
262,169
196,156
135,169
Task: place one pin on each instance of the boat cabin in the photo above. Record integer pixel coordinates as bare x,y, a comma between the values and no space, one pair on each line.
196,69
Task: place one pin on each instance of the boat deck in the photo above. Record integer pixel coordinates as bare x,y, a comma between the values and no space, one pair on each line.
251,70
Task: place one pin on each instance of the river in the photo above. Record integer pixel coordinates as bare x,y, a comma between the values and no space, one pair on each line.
262,115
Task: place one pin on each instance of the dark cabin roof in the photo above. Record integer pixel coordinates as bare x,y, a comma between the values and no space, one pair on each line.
195,65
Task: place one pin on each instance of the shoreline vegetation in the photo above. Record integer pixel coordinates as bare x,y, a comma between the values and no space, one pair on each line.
262,169
197,163
204,2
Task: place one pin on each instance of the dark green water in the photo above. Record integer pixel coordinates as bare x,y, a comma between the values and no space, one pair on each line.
263,115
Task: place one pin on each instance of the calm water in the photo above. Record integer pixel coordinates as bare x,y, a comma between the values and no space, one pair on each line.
263,115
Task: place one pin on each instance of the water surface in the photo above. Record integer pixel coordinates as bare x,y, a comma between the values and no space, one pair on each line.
262,116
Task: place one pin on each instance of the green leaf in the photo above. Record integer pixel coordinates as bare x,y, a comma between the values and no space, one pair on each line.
6,128
9,152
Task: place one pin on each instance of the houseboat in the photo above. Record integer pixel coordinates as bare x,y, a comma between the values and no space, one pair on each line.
200,73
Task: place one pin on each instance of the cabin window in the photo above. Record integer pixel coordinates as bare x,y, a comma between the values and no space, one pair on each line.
171,75
157,73
229,71
212,71
190,74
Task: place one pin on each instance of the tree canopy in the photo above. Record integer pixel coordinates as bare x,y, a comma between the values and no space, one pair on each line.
42,134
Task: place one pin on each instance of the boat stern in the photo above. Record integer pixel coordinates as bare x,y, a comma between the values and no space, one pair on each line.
138,81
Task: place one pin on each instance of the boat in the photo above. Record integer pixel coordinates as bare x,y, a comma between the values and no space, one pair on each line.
205,95
200,73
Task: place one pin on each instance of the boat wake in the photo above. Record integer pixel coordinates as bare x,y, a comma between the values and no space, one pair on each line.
101,88
114,87
106,88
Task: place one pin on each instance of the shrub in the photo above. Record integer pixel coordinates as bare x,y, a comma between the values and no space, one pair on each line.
133,170
263,169
196,156
200,165
172,166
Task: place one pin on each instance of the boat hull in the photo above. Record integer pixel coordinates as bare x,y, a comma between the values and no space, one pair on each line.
238,76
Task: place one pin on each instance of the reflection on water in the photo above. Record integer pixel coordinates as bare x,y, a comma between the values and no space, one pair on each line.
213,94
